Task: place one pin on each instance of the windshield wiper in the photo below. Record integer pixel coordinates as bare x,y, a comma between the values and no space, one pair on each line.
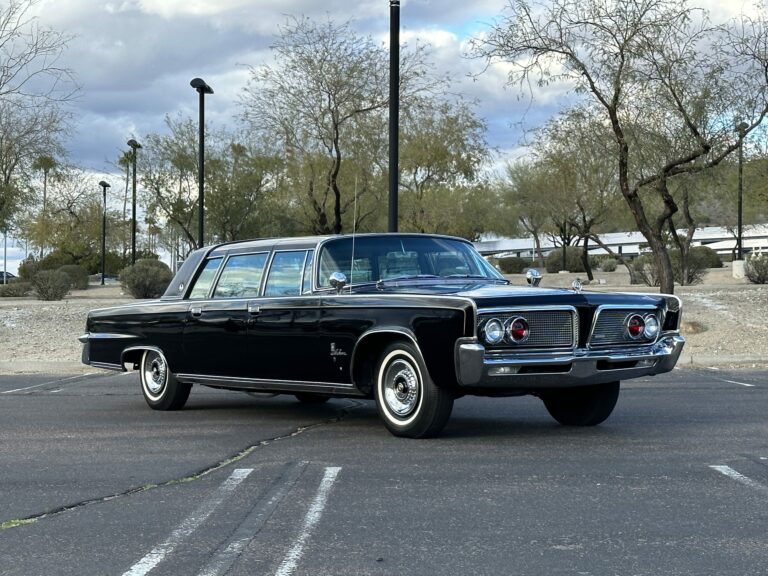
407,277
477,277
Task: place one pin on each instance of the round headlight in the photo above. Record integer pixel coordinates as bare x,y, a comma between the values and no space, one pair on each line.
651,327
518,330
493,331
635,326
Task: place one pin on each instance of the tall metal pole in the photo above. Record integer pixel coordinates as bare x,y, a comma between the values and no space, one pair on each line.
134,146
394,110
202,89
104,187
739,250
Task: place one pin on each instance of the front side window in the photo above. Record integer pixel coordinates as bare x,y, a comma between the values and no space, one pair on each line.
241,277
285,274
205,279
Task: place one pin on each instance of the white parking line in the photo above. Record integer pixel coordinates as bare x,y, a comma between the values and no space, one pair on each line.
45,383
314,513
190,524
739,383
746,480
228,553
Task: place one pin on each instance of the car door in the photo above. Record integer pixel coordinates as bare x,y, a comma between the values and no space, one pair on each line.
283,340
217,323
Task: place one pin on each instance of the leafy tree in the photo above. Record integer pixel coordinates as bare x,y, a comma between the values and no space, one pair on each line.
649,68
313,101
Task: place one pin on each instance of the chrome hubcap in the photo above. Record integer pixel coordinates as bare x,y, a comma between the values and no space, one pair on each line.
401,387
155,373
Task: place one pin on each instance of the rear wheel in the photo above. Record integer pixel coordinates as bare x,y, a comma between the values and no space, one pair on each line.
409,403
158,384
582,406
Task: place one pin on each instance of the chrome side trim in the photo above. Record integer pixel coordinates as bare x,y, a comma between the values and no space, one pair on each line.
108,366
289,386
104,336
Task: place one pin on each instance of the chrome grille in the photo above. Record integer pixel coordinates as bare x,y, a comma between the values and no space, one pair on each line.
610,327
548,328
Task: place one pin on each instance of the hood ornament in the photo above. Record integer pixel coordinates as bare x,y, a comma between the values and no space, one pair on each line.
533,277
577,286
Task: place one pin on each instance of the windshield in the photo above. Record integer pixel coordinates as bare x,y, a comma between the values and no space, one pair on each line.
381,258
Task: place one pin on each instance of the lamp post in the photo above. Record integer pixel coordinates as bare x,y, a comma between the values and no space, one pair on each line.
741,130
134,146
202,89
394,110
104,187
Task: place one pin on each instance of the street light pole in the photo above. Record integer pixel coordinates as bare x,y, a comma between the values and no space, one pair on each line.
104,187
134,146
741,129
202,89
394,110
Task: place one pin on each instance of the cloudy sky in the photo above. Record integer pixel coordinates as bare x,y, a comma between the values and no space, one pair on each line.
135,58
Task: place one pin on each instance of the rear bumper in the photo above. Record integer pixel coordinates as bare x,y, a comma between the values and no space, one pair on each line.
531,371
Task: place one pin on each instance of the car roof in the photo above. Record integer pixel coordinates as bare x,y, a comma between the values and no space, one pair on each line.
304,242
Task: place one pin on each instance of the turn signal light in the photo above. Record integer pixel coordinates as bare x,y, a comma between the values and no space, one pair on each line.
635,326
518,330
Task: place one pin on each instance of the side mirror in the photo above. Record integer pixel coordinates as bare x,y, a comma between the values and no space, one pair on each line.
533,276
337,281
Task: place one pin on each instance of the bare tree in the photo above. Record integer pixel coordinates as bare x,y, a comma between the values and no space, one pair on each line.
648,66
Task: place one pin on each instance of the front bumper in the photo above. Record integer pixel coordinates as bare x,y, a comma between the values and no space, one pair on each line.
475,367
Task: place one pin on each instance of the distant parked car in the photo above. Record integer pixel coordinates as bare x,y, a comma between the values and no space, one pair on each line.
411,321
6,277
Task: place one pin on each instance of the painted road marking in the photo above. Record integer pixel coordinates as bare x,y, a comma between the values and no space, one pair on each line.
46,383
228,553
190,524
746,480
314,513
739,383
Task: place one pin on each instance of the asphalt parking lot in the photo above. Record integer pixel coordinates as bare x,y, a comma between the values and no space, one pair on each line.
94,482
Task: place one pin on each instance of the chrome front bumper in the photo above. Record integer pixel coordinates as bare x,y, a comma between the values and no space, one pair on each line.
531,370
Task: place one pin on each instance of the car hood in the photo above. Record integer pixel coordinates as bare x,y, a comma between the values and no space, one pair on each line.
501,295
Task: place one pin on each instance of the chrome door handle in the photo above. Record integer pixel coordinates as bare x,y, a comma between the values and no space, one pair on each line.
196,312
254,309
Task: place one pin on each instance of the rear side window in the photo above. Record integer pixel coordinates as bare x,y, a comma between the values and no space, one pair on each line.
241,277
285,274
205,279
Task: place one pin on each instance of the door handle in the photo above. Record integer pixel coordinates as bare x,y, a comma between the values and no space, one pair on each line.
254,309
196,312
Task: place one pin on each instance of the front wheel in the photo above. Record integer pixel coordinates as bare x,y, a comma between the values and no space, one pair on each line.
158,384
582,406
408,402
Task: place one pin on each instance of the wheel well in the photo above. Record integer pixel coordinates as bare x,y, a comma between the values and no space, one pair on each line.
134,355
367,354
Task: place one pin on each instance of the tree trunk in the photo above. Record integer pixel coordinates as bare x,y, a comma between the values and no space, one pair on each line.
585,258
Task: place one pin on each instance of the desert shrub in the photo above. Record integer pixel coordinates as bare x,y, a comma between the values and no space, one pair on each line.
146,279
28,268
78,276
16,289
609,265
573,263
699,258
55,260
513,264
756,268
51,284
706,256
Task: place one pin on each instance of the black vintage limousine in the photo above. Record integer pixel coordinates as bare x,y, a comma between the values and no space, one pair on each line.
412,321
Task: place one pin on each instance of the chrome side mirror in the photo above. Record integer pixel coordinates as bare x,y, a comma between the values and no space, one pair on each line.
338,280
533,277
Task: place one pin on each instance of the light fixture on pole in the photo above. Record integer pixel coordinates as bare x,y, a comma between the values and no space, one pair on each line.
741,131
104,187
202,89
134,146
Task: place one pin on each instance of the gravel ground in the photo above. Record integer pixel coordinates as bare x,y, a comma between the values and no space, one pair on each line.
724,325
